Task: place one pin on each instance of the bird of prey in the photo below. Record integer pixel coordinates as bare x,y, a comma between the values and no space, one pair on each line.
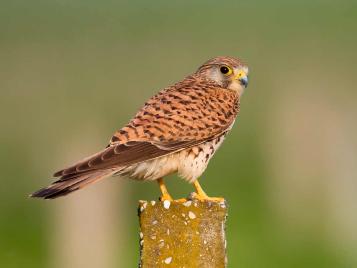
176,131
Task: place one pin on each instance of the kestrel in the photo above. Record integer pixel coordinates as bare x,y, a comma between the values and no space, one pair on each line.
176,131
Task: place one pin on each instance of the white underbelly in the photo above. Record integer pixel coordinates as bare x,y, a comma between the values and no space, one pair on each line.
189,163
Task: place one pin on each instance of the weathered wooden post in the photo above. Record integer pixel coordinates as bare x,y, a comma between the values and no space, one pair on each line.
182,233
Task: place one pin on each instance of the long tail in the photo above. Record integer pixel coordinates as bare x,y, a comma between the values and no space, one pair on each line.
70,183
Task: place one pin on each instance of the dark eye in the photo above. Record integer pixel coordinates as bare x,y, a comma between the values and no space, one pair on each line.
225,70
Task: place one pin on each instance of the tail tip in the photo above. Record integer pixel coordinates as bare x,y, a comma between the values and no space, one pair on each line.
45,193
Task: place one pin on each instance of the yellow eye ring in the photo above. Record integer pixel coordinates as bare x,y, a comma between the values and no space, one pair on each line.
226,70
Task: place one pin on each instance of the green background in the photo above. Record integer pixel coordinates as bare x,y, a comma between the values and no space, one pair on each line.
72,72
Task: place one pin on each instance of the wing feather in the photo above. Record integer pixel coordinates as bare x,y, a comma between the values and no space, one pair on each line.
122,155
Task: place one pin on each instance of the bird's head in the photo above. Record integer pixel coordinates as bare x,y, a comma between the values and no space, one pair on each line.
228,72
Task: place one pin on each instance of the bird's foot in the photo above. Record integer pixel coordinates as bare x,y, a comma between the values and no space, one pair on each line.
205,197
202,196
166,197
164,192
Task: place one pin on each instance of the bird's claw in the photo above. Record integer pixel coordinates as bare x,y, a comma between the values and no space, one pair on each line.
166,197
204,197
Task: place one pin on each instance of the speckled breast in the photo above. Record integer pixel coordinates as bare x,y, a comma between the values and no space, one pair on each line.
195,160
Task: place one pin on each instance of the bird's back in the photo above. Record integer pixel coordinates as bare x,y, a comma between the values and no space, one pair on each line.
193,109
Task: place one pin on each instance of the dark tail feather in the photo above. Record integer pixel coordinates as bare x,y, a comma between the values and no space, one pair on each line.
70,183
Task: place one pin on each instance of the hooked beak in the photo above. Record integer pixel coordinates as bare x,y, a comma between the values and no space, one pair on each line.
244,81
242,77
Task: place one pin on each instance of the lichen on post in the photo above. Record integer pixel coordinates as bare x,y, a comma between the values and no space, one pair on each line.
182,233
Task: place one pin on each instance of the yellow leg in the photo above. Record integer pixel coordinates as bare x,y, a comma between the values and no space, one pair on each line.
201,195
164,193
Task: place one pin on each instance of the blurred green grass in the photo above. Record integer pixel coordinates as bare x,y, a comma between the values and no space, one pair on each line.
72,72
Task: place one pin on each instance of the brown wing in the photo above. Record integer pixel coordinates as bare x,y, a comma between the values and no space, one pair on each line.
121,155
103,164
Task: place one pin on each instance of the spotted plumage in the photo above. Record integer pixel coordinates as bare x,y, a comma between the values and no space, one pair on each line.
177,130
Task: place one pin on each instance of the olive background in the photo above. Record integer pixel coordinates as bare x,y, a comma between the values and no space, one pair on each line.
72,72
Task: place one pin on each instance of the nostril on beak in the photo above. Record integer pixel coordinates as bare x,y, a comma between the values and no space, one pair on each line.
244,81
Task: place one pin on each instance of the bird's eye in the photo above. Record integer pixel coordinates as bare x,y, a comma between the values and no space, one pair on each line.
225,70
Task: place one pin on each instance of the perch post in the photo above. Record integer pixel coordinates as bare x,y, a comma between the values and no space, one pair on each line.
182,233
